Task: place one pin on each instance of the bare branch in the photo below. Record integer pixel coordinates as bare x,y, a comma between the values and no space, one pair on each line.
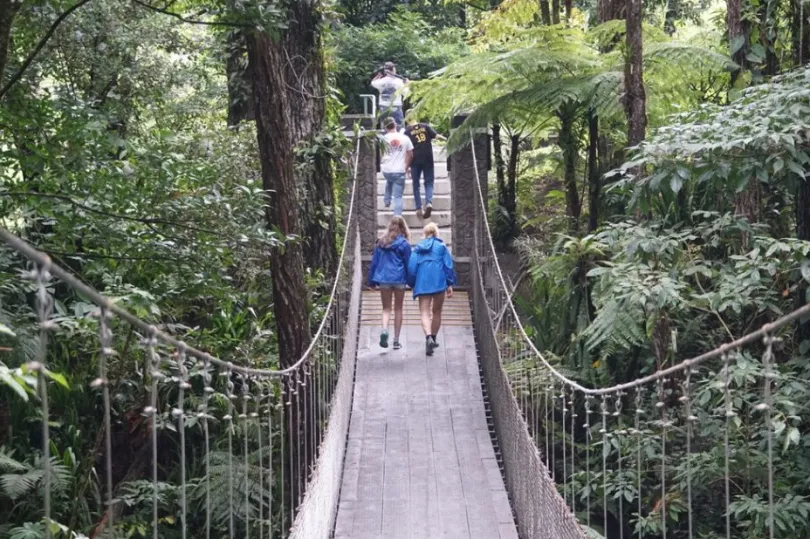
180,17
110,257
145,220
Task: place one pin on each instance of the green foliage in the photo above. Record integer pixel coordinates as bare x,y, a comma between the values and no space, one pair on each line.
405,38
363,12
689,277
714,152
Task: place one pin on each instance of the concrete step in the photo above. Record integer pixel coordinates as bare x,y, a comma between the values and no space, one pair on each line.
446,234
440,187
441,218
441,202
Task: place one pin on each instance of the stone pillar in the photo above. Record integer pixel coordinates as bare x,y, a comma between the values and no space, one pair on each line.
462,189
366,183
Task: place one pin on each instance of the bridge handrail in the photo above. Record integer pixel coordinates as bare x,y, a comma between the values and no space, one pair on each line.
102,301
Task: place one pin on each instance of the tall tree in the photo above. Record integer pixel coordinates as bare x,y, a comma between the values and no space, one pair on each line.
277,109
768,30
545,12
301,79
609,10
240,79
594,172
635,96
800,32
570,149
8,10
737,37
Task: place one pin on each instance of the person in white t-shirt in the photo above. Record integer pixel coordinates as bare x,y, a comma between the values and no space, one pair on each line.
396,161
391,87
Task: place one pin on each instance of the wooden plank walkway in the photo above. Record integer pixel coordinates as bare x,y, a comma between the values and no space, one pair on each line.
419,461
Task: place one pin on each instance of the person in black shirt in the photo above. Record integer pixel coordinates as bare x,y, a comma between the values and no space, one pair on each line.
422,136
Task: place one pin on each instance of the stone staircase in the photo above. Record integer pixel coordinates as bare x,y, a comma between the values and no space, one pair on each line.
441,214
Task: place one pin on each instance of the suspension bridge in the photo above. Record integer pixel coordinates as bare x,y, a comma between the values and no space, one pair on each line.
487,439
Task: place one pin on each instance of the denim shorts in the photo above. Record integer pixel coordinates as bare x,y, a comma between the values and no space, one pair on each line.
392,286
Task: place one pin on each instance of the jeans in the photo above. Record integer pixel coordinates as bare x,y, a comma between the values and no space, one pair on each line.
394,186
416,172
393,112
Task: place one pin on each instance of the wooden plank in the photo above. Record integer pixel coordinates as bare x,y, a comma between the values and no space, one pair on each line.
419,461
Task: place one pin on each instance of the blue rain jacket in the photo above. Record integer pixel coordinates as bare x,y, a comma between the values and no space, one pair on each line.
430,269
389,265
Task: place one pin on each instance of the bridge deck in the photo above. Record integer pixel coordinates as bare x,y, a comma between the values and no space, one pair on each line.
419,461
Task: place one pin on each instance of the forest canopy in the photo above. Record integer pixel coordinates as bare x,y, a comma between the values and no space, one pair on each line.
648,197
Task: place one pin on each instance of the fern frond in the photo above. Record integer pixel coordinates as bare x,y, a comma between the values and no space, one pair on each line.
9,464
686,54
615,326
16,486
600,92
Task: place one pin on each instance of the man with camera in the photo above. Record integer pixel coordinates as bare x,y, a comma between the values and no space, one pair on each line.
390,85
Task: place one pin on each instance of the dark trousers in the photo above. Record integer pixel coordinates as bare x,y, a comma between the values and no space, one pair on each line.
417,169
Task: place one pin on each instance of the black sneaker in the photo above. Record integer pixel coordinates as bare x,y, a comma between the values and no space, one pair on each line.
397,346
428,210
384,338
428,346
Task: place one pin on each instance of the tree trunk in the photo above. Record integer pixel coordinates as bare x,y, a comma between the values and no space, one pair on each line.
737,37
555,11
661,339
510,200
239,72
568,143
303,85
609,10
545,12
672,11
8,10
275,116
747,204
635,97
568,7
500,167
288,93
594,173
800,33
802,233
768,37
319,217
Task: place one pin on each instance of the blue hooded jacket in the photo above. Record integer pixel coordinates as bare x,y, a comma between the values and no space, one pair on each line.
430,269
389,265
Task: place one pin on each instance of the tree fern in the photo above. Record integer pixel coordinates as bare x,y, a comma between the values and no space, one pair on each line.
23,479
618,326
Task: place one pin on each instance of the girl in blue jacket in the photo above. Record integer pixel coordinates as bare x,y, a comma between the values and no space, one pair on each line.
389,272
431,275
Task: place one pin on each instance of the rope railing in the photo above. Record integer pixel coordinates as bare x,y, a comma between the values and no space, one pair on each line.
578,459
259,451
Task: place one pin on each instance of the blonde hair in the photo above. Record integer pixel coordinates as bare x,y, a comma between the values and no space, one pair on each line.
397,227
431,229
